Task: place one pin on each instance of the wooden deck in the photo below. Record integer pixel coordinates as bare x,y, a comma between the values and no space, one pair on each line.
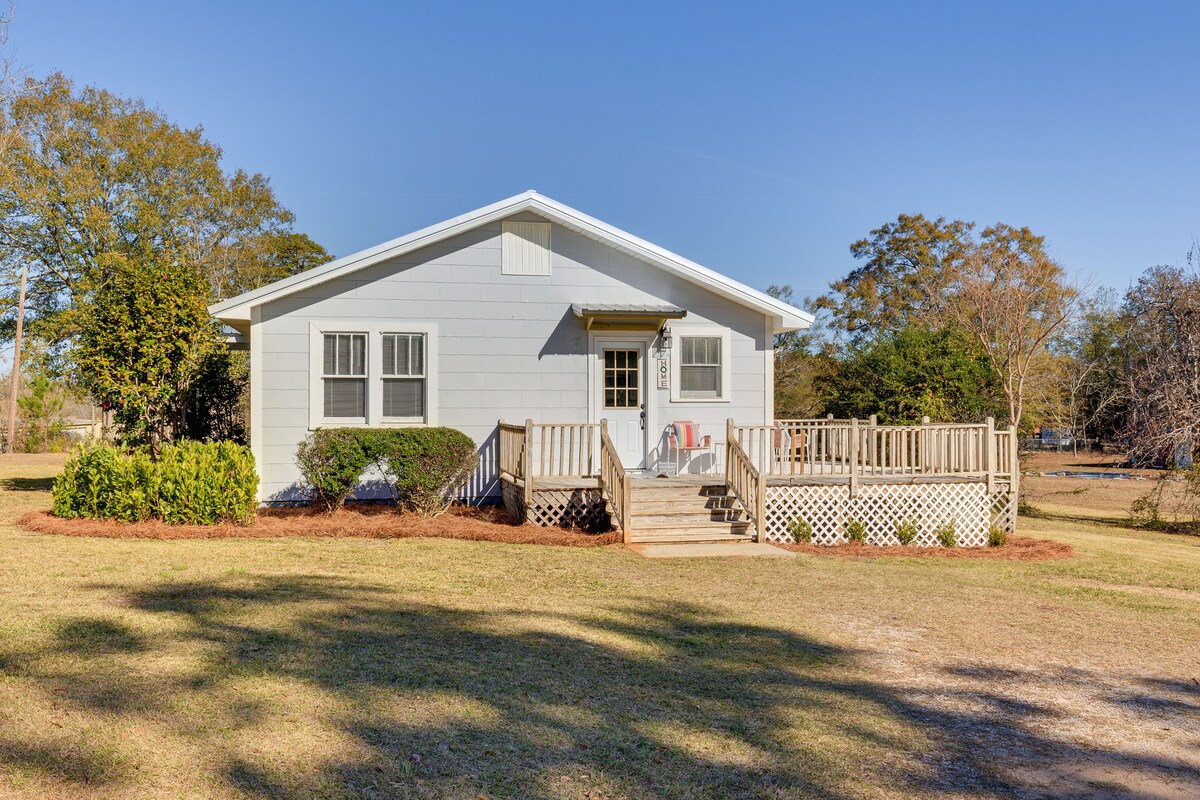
831,472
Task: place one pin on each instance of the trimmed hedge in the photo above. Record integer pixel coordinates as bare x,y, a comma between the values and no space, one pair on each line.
191,483
424,467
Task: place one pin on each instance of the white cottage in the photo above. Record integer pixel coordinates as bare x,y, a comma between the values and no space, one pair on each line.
522,309
568,350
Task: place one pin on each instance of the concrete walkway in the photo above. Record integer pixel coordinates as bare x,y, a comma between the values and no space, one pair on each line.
710,550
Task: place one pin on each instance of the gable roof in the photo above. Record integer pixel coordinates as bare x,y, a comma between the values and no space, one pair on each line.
784,317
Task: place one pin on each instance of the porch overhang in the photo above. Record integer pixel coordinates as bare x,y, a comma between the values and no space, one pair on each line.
626,317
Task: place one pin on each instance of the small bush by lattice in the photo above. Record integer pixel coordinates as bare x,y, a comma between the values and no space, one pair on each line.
193,483
906,532
800,530
997,536
946,535
855,530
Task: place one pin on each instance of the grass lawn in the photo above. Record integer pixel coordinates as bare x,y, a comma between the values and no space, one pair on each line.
296,668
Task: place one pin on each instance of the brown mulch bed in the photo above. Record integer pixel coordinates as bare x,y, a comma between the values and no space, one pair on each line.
488,524
1018,548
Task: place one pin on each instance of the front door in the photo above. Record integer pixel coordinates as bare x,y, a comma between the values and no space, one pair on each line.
622,398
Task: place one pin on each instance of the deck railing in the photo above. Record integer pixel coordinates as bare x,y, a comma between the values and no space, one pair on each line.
857,449
615,482
745,480
567,449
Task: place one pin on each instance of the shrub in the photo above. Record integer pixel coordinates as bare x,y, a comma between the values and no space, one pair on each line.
203,483
906,532
946,535
425,466
856,531
997,536
192,483
104,482
331,462
800,530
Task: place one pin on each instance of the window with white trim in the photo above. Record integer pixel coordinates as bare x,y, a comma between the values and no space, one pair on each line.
701,359
384,373
344,376
403,376
700,367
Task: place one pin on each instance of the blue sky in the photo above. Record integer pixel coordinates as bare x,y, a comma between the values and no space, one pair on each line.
758,139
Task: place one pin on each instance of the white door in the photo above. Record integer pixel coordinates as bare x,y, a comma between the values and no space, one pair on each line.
621,398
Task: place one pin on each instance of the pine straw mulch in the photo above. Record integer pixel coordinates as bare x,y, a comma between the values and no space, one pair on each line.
488,524
1017,548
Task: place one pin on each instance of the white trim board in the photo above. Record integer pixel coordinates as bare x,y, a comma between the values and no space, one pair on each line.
236,310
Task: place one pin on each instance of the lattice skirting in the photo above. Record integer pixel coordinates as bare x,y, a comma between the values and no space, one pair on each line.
930,507
568,508
514,499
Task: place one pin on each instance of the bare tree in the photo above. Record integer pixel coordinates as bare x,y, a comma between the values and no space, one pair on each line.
1163,347
1012,298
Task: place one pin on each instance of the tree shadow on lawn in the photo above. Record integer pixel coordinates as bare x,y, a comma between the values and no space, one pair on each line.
648,699
27,484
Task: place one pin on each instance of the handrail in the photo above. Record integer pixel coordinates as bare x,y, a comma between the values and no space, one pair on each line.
510,451
563,449
745,480
614,481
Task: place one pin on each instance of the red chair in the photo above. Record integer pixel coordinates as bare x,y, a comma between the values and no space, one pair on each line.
685,438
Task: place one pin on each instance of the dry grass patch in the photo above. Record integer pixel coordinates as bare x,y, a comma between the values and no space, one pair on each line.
1017,548
301,667
485,524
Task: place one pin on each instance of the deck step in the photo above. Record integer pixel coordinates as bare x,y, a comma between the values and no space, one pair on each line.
656,535
696,504
664,522
684,517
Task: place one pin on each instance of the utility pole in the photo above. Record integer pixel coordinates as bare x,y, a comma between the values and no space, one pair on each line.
14,388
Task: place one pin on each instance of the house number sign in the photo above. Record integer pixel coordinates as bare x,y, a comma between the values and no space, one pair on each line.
664,374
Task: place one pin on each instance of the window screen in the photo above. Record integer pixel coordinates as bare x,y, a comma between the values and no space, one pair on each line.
700,366
344,374
404,375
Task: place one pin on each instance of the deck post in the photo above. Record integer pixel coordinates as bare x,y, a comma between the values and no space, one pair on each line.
626,492
926,456
1014,470
853,456
989,456
728,445
527,464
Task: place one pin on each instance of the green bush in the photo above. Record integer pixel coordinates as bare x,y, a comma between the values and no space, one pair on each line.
205,483
856,531
426,466
946,535
332,462
800,530
192,483
906,532
997,536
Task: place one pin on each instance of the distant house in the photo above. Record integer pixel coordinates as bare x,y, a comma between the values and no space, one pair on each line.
525,308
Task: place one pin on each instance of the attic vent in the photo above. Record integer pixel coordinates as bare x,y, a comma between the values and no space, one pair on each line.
525,248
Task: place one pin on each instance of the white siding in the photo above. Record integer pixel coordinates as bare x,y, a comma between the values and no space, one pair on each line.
508,345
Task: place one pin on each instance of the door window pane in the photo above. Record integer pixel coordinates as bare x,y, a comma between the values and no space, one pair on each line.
622,378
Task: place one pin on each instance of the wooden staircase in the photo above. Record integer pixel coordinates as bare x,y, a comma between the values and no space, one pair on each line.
692,509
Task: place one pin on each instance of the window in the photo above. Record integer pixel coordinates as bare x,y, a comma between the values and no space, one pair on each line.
622,378
700,367
344,375
383,374
700,364
404,376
